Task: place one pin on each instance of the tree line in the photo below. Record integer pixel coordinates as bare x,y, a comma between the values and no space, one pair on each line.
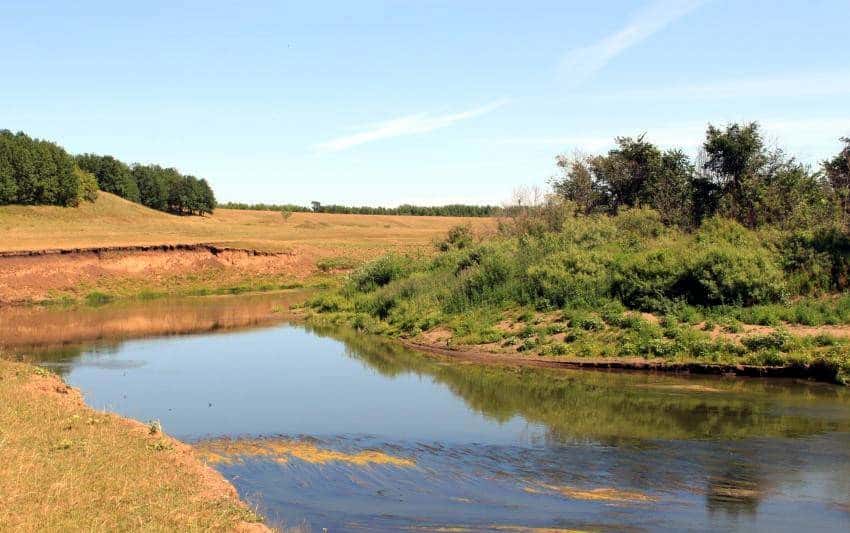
736,175
164,189
36,172
452,210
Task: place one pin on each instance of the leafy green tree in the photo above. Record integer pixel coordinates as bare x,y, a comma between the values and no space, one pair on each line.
34,171
579,184
837,172
112,175
153,182
88,185
206,196
759,186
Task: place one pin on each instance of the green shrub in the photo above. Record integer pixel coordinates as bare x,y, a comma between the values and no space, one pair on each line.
571,277
458,238
329,264
586,322
381,272
778,340
329,303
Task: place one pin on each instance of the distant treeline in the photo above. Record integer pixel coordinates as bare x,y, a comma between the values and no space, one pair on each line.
37,172
452,210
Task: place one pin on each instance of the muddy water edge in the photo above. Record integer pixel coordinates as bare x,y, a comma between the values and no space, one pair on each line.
332,429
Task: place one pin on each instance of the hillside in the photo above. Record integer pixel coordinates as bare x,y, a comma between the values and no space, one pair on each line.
113,221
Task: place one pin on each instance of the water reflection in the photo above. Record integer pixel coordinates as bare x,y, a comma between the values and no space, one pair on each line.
614,407
346,431
27,328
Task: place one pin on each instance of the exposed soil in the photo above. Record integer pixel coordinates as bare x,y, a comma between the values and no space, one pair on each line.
29,276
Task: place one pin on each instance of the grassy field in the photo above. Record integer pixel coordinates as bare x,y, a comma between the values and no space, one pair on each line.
113,221
68,467
308,247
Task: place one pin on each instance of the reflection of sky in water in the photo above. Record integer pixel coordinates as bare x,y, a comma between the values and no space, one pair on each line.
490,444
278,381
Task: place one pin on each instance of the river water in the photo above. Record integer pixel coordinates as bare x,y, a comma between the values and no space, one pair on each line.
332,429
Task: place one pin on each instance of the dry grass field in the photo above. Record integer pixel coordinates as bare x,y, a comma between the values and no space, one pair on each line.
300,245
113,221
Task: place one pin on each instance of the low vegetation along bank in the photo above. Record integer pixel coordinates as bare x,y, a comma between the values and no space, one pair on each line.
68,467
728,279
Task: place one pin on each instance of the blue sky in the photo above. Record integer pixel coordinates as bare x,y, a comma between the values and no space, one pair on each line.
429,102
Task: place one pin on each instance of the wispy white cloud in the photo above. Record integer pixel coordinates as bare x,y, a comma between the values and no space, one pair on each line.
409,125
582,63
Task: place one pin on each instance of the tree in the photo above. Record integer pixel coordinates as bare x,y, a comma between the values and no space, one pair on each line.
206,196
837,172
578,184
153,181
759,186
734,155
34,171
112,175
627,171
670,189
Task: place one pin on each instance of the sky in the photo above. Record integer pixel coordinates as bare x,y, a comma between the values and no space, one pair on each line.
423,102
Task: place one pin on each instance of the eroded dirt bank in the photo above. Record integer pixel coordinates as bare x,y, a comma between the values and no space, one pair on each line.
33,276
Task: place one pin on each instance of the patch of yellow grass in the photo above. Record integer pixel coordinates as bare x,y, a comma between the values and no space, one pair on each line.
228,451
113,221
67,467
605,494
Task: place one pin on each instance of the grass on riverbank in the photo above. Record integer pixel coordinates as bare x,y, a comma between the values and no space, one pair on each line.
68,467
618,287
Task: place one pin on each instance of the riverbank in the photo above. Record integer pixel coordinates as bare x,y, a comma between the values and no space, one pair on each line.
542,344
69,467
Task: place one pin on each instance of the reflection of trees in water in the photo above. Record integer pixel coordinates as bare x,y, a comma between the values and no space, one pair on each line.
62,359
737,459
593,405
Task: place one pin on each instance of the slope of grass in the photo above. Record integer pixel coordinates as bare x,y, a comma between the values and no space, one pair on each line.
113,221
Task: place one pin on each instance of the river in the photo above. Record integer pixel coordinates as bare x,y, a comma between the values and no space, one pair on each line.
328,428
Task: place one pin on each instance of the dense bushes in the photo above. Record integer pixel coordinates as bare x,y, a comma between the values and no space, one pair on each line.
628,259
33,172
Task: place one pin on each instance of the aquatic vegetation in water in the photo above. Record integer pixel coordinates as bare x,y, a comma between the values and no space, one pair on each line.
229,451
606,494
